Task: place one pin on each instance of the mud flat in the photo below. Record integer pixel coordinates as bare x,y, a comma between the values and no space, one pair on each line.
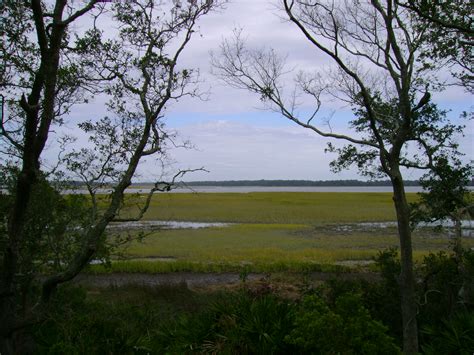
194,279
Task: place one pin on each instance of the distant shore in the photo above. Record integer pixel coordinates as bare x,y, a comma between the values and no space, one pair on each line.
141,189
290,183
296,183
246,186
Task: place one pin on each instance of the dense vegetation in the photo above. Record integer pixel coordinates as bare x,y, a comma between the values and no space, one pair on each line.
349,317
385,69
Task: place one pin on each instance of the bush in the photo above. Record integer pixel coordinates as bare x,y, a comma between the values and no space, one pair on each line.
452,336
348,328
383,298
240,323
79,327
175,320
347,317
447,283
445,292
446,303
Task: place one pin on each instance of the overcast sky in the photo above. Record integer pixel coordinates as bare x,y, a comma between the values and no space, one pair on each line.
233,137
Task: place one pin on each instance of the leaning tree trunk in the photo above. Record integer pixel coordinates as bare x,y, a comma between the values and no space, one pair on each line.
407,278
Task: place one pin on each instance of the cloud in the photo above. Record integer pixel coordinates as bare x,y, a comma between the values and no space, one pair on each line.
263,27
235,150
234,138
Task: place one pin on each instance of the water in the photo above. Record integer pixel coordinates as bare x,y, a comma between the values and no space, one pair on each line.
467,225
248,189
164,225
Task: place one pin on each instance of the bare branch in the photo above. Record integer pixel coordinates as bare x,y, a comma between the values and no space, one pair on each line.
80,12
159,186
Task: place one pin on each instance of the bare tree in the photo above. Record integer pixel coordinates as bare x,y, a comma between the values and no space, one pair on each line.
374,47
140,73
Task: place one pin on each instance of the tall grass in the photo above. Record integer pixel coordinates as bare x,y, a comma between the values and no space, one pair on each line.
267,242
144,266
271,231
271,207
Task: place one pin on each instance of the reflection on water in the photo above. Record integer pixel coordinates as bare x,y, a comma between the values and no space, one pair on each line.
467,225
164,225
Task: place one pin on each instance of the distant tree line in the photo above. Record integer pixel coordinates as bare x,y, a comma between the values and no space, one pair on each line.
274,183
299,183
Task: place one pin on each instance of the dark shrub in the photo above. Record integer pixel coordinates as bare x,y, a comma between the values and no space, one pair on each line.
453,336
347,328
240,323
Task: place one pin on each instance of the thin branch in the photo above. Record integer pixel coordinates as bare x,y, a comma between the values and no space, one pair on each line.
449,25
364,91
80,12
159,186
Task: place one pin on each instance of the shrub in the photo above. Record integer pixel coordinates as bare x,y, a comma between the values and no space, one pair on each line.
76,326
447,283
452,336
239,323
348,328
444,290
383,298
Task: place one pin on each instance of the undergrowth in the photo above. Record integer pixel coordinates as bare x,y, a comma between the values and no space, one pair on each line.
338,316
137,266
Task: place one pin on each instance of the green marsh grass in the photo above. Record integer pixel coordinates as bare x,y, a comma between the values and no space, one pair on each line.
259,248
144,266
271,207
271,231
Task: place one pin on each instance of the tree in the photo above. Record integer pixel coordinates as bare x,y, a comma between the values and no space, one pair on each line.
374,46
445,195
47,70
449,28
30,73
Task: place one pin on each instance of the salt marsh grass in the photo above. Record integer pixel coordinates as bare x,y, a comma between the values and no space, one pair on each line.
271,232
273,207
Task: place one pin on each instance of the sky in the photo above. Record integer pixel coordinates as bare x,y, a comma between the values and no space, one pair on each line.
233,136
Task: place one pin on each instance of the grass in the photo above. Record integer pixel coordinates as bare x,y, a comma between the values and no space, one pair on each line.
266,242
272,232
270,207
144,266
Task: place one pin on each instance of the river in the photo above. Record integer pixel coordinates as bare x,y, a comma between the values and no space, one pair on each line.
247,189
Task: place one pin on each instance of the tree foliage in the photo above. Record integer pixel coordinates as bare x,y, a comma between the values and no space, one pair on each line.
448,27
445,192
376,50
47,69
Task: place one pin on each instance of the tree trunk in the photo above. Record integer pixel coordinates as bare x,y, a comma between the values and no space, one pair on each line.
457,239
37,125
407,279
16,221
